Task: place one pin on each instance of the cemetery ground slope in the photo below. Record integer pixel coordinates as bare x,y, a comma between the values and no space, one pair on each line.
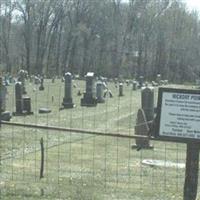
82,166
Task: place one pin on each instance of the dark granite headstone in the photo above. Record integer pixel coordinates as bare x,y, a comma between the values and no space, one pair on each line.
22,104
3,92
121,87
89,98
18,98
142,129
147,101
141,81
26,105
67,100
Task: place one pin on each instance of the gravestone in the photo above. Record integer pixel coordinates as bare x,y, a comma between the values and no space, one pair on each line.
121,88
141,81
134,85
127,82
147,101
3,92
53,79
18,99
99,92
158,79
41,83
22,104
67,100
141,128
21,79
5,115
26,105
89,98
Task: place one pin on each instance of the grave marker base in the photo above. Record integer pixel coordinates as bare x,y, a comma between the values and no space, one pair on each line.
67,103
41,88
22,113
100,100
142,128
88,101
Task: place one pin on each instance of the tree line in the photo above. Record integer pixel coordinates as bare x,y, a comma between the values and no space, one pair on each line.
113,38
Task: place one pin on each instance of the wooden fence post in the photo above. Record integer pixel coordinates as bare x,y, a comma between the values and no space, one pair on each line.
42,158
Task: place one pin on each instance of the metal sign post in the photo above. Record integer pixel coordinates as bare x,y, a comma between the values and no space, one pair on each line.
191,172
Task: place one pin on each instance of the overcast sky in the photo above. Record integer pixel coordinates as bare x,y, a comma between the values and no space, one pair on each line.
193,4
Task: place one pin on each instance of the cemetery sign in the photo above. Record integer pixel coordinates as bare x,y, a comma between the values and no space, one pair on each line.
178,115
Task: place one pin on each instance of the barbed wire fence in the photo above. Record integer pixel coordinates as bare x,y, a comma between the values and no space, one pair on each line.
84,153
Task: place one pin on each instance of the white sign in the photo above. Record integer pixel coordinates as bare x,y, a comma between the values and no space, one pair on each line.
180,115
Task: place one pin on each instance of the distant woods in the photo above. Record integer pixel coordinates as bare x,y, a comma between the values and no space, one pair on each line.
110,37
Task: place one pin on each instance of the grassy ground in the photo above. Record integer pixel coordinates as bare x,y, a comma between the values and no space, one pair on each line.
81,166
